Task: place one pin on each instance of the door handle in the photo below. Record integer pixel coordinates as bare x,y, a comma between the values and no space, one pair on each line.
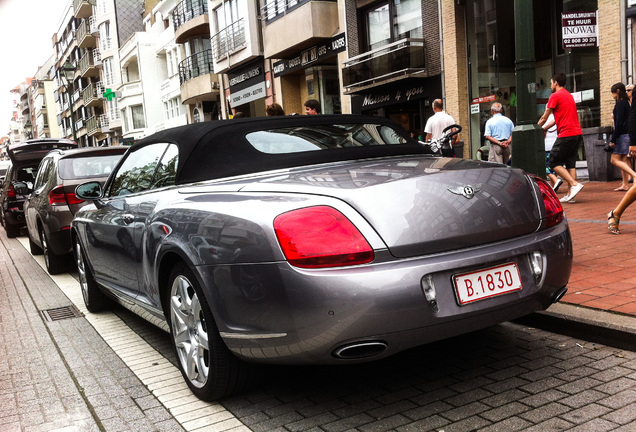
128,218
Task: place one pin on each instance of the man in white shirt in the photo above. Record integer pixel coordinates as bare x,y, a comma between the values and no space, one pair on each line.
438,122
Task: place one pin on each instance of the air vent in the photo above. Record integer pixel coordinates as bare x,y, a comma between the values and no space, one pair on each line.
61,313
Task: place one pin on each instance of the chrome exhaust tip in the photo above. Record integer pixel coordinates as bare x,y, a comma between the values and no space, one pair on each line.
559,294
360,350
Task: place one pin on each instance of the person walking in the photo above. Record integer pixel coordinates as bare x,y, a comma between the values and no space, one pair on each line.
550,132
312,107
614,216
274,110
569,135
619,140
499,133
439,121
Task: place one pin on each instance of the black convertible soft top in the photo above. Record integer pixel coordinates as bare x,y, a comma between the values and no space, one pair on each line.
218,149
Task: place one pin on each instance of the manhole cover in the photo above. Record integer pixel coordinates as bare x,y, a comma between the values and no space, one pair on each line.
61,313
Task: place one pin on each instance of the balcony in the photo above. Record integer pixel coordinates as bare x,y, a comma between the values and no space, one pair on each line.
82,8
401,59
317,19
83,35
92,95
97,124
190,19
87,66
229,39
195,66
130,89
197,78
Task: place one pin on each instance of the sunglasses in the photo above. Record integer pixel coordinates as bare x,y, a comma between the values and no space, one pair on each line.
629,90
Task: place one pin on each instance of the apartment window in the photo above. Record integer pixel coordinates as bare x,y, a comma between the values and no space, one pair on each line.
381,29
172,108
109,78
104,36
137,114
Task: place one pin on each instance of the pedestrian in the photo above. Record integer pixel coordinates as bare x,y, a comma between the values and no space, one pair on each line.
569,135
274,110
628,89
614,217
499,133
619,140
439,121
550,132
312,107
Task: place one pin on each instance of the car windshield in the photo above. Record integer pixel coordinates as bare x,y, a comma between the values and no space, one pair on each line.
322,137
93,166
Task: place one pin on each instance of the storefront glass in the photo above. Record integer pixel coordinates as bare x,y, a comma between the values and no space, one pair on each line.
491,40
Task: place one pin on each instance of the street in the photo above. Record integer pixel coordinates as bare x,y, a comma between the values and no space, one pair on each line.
120,374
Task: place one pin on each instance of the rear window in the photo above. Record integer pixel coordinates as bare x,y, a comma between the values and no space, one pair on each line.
94,166
26,174
324,137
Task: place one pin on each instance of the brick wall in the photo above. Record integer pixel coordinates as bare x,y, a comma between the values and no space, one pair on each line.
609,53
456,67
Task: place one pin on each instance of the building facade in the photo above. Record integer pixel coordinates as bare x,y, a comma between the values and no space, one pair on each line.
144,66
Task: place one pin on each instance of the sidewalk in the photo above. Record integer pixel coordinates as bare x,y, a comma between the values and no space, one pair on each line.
601,297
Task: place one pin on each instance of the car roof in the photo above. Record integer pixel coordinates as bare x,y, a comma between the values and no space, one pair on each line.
91,151
219,149
35,149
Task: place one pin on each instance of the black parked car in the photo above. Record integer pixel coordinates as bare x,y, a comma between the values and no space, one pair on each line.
25,158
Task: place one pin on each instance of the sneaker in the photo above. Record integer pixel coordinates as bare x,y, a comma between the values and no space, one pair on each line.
575,190
557,185
565,199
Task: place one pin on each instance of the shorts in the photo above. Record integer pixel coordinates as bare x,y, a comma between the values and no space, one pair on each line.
621,146
565,151
548,170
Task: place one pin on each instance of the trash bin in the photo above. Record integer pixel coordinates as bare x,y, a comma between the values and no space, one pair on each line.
599,166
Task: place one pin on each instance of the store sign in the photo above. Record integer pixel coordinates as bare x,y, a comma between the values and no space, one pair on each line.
247,84
309,56
579,29
248,94
484,99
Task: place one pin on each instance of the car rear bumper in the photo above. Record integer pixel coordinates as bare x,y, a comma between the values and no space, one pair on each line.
276,313
15,218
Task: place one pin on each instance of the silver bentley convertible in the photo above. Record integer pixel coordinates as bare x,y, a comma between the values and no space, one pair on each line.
313,240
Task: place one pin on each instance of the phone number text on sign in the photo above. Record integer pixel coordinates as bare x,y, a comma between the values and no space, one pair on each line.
482,284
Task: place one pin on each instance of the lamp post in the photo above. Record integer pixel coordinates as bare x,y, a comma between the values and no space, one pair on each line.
528,151
68,72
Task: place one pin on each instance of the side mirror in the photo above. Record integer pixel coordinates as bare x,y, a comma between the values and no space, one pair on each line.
89,191
21,188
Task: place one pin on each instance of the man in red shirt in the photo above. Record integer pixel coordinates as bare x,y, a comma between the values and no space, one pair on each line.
569,135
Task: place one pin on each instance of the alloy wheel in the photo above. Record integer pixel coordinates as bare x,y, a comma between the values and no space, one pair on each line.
190,331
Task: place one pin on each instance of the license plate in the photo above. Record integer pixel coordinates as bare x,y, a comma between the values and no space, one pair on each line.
487,283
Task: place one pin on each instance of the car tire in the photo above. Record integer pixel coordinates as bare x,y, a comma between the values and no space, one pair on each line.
209,368
94,298
12,232
34,248
55,264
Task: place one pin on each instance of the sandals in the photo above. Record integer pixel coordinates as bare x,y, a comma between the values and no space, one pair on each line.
612,223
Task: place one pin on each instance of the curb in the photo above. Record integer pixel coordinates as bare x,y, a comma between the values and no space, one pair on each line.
594,325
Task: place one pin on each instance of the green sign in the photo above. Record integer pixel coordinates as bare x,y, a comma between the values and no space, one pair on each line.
109,94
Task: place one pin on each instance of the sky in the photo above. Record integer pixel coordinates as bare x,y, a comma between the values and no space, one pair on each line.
26,30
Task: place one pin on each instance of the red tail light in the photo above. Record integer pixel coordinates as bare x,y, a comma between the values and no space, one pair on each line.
10,193
321,236
58,197
553,208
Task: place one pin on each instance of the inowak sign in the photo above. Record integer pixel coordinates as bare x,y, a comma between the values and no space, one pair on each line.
579,29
